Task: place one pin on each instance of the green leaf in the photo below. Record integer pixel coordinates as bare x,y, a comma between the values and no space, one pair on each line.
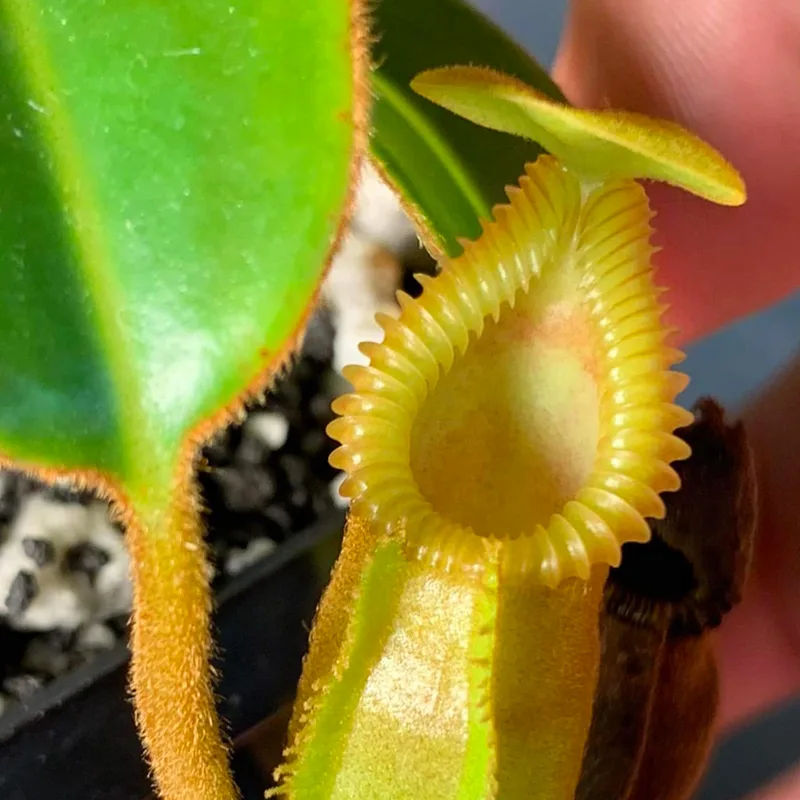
449,172
171,180
600,144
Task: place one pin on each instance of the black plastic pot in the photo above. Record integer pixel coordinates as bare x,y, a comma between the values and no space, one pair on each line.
75,739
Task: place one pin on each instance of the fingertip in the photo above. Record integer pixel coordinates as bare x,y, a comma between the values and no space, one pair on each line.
728,71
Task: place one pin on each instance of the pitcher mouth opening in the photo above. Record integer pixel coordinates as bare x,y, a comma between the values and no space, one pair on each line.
524,403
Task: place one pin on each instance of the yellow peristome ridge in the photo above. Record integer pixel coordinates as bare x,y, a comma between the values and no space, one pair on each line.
601,232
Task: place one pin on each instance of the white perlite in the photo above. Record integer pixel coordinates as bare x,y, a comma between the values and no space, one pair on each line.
64,598
241,558
270,428
339,501
379,217
365,273
362,281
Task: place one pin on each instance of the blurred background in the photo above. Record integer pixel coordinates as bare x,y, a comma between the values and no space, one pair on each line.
733,364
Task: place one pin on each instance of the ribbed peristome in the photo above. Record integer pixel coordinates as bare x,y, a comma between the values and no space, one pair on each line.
602,232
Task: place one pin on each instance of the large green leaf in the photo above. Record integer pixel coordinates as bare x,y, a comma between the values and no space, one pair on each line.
449,171
171,178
